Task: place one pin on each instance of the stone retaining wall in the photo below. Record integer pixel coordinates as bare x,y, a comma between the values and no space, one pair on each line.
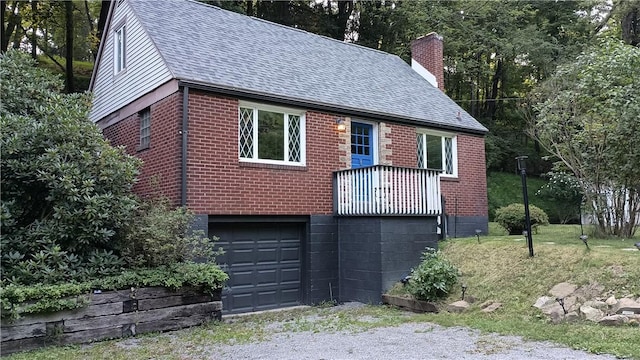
112,314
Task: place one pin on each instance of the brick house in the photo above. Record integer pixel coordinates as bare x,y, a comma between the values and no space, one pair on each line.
321,165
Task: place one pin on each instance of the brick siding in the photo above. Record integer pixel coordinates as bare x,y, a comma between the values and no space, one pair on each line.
218,184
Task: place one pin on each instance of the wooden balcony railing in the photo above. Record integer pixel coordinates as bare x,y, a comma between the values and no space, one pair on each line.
386,190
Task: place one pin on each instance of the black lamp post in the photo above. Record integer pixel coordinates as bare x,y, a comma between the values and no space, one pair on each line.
522,166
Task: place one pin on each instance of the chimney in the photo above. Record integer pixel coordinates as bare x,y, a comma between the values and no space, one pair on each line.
427,58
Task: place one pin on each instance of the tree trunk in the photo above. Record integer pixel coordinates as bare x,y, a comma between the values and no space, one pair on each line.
493,95
91,27
34,29
102,21
69,45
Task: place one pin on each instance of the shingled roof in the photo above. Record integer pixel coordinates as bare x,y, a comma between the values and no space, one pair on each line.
203,44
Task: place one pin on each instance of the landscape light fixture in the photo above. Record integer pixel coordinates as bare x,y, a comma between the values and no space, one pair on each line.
584,238
522,167
341,126
478,232
464,289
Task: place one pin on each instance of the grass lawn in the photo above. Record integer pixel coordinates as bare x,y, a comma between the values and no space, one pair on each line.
498,268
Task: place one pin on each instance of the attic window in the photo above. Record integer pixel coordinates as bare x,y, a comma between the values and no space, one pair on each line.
437,151
119,49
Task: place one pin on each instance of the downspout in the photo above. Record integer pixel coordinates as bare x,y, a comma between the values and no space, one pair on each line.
185,128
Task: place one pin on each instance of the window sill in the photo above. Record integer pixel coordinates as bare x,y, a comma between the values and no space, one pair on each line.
272,166
449,178
143,147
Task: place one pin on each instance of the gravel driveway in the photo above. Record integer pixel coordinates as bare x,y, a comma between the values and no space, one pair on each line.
407,341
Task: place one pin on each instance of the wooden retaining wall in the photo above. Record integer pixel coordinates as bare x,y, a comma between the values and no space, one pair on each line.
112,314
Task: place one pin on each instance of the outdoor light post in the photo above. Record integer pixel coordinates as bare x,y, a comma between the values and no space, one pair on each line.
522,166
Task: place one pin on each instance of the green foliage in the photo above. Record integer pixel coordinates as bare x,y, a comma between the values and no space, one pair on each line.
564,190
21,299
158,235
65,190
506,188
587,116
434,278
512,218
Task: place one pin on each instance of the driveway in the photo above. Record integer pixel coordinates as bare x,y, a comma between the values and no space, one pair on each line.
405,341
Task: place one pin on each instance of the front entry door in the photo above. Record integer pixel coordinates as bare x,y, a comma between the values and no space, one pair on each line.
361,145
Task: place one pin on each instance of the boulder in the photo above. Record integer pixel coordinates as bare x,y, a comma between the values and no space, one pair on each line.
491,308
458,306
554,311
600,305
627,304
543,301
611,301
572,317
591,313
486,303
614,320
562,290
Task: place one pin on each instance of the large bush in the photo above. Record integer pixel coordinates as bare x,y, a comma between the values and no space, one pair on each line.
434,278
512,218
65,190
159,235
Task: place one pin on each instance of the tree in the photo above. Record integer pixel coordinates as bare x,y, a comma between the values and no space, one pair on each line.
65,191
587,116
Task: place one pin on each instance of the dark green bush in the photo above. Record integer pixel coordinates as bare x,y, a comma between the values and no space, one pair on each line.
159,235
434,278
512,218
65,191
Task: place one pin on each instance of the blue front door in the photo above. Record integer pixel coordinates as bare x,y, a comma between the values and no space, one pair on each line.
361,145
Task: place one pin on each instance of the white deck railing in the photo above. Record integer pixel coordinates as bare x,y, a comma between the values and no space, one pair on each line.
387,190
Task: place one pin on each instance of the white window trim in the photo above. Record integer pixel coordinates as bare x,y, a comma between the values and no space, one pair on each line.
146,145
454,150
374,138
120,49
286,112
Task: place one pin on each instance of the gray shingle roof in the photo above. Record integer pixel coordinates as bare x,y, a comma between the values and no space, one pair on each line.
208,45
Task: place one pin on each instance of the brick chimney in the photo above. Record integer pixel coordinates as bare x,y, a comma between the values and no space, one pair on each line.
427,54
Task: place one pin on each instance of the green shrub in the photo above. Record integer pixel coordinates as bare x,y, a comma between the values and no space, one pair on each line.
159,235
512,218
434,278
65,191
21,299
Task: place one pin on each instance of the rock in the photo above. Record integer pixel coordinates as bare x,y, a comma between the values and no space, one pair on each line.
600,305
554,311
486,303
470,299
491,308
614,320
590,313
611,300
589,292
627,304
543,301
458,306
562,290
572,317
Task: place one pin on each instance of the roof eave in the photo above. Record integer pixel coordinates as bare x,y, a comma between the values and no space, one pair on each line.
324,107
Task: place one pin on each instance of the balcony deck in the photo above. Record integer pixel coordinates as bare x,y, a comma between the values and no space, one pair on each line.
387,190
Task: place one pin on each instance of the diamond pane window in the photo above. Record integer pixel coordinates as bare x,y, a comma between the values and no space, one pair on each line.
269,135
437,152
294,138
246,133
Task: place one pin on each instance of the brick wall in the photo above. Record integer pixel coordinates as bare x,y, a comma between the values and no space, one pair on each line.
219,184
470,189
160,173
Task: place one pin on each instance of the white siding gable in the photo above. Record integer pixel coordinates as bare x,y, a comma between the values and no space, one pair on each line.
145,69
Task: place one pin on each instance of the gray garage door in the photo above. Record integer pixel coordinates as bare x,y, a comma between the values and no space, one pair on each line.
263,263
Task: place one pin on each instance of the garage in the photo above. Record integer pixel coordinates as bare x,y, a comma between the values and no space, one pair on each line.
263,261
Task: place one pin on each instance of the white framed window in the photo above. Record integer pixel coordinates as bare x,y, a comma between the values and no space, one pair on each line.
145,129
119,49
271,134
436,150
